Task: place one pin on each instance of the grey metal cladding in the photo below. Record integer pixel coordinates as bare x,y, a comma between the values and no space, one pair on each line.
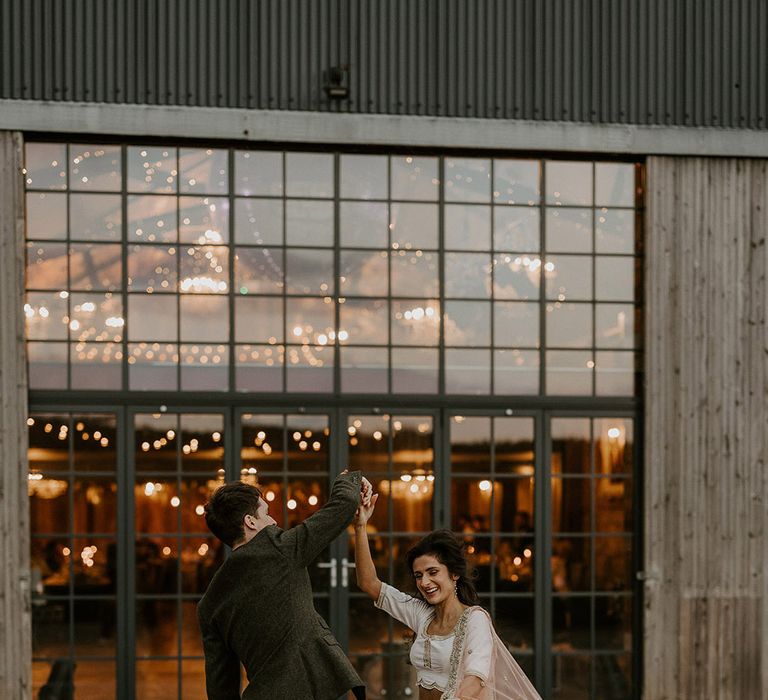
670,62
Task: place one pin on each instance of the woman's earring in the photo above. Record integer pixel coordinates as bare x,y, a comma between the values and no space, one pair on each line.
456,588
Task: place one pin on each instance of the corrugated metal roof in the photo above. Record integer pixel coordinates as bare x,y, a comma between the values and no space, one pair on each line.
671,62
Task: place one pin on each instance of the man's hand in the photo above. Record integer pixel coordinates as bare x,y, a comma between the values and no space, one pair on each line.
366,491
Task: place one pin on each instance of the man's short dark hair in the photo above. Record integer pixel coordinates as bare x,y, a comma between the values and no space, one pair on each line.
227,507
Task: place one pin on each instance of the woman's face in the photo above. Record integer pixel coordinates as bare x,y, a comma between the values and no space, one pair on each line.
433,579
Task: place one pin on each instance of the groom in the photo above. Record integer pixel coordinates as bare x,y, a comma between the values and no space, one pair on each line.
258,608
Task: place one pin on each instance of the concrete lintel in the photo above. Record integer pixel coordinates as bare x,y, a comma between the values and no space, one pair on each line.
376,130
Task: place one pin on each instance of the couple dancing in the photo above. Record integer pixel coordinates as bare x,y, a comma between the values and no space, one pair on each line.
258,608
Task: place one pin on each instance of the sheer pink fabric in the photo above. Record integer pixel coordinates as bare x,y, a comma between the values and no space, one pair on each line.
506,680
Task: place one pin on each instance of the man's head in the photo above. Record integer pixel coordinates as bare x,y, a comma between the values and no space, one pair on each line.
236,512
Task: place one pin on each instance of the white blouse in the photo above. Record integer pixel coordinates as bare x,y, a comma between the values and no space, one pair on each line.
431,653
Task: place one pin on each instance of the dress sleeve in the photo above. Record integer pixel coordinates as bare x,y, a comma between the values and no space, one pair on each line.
403,607
479,646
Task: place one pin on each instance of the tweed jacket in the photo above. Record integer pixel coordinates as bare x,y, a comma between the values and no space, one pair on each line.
258,611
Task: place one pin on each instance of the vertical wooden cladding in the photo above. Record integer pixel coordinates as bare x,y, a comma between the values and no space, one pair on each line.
706,488
15,608
682,62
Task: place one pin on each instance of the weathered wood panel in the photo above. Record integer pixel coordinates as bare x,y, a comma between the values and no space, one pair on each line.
706,596
15,620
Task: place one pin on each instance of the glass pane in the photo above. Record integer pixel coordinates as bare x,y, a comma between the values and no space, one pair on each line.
413,226
414,177
467,371
94,563
516,181
615,278
470,444
96,317
95,168
94,217
204,170
309,174
259,319
95,443
414,370
365,322
152,268
305,496
204,368
613,445
204,318
95,266
155,446
50,628
364,225
262,445
368,449
615,231
47,315
414,274
45,165
202,443
308,451
613,563
613,622
613,676
615,184
259,270
516,372
571,505
570,566
308,319
309,369
569,325
615,325
364,273
568,277
156,506
156,634
46,215
471,505
94,678
309,271
572,673
152,169
259,172
47,364
467,323
514,446
153,366
46,265
569,230
516,228
613,505
152,317
413,448
615,373
467,227
152,219
514,574
204,269
48,497
569,372
415,322
513,502
309,223
467,180
468,275
203,220
568,182
570,445
259,221
516,276
363,177
259,367
515,324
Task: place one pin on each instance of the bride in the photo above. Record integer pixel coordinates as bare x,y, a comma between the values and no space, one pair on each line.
456,651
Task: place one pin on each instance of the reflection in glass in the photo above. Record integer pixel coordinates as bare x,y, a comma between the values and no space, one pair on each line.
614,325
364,273
259,319
95,266
613,446
95,505
467,179
570,564
96,317
569,230
568,277
516,228
515,324
309,174
50,627
94,566
613,622
259,173
615,278
95,168
613,505
415,322
151,169
468,275
204,368
95,443
152,268
46,214
307,439
364,322
516,181
309,368
571,505
204,318
514,446
613,667
364,224
204,269
470,444
615,373
363,177
309,271
413,226
310,320
414,178
259,368
95,217
309,223
154,509
516,276
615,184
414,370
514,574
570,446
467,227
152,317
203,170
47,315
516,372
259,221
467,323
613,563
467,371
47,363
572,675
569,325
569,372
259,270
153,366
471,507
262,445
202,443
96,365
203,220
46,166
568,182
46,265
615,231
152,219
368,445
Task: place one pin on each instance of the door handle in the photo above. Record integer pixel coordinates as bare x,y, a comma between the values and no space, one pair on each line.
332,566
346,565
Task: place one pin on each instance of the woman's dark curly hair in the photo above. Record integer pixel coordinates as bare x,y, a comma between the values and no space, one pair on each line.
449,550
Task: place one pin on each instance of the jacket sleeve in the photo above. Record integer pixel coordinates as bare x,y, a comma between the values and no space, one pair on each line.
222,667
306,541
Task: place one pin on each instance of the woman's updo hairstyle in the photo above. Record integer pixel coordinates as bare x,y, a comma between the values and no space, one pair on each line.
449,550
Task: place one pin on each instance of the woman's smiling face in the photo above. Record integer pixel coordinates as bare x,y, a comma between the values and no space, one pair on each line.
433,579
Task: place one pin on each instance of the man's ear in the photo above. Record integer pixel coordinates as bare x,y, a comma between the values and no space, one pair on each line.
249,521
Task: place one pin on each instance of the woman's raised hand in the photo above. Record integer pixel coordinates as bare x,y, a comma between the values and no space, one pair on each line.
365,510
